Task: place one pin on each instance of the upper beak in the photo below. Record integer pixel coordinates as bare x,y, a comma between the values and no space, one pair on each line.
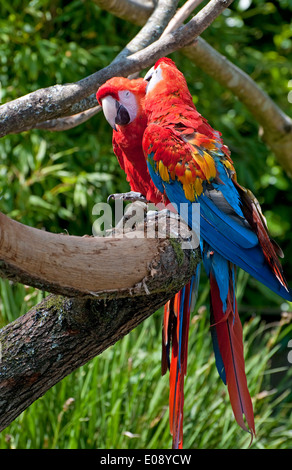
114,112
109,107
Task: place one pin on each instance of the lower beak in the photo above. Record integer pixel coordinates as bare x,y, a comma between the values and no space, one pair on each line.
122,117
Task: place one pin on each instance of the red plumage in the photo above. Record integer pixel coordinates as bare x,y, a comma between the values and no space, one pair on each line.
127,140
176,317
127,145
229,335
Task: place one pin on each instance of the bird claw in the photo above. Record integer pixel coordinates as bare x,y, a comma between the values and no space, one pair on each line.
131,196
134,212
162,213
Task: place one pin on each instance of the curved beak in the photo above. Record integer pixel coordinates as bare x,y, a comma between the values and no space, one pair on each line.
109,107
114,112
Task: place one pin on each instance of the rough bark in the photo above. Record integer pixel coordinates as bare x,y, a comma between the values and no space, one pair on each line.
58,336
106,298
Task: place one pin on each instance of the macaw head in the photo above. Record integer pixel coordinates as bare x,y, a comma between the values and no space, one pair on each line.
121,100
164,78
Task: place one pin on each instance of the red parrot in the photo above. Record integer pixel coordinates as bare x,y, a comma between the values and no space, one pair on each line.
188,161
122,103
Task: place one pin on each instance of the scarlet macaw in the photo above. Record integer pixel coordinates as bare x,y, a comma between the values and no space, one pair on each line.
188,161
126,115
122,103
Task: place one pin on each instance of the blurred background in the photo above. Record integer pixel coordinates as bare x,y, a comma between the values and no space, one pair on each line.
52,180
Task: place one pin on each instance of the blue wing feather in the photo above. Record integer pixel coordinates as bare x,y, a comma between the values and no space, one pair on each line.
232,237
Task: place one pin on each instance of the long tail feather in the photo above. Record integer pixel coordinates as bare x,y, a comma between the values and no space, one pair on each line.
178,368
175,334
228,347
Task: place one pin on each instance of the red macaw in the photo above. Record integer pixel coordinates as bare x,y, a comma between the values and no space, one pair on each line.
121,100
125,113
122,103
188,161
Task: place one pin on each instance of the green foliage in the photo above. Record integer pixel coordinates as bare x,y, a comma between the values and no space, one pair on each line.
53,180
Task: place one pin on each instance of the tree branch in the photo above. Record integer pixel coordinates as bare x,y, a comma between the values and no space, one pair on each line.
65,100
110,291
181,15
83,266
143,38
135,11
59,335
154,27
63,124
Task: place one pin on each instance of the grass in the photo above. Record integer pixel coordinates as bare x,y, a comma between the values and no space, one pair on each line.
120,401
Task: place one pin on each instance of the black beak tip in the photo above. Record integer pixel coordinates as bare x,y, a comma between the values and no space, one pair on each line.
122,117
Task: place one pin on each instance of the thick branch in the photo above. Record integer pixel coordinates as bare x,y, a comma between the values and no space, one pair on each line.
58,336
80,266
59,100
114,284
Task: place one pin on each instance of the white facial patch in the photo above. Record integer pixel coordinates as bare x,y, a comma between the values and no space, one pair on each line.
154,76
128,100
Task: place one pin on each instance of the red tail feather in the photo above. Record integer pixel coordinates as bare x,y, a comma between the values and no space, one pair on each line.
229,334
178,362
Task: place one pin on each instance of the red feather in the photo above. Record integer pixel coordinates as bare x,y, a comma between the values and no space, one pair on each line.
257,221
176,316
229,334
127,145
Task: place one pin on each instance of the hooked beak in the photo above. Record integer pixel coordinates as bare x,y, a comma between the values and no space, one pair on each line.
114,112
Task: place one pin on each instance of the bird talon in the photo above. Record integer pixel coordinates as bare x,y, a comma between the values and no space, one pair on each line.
131,196
162,213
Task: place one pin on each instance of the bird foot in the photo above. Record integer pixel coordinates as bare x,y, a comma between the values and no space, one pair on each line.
134,215
131,196
161,214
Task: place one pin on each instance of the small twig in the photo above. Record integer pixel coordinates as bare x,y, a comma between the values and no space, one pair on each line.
63,124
